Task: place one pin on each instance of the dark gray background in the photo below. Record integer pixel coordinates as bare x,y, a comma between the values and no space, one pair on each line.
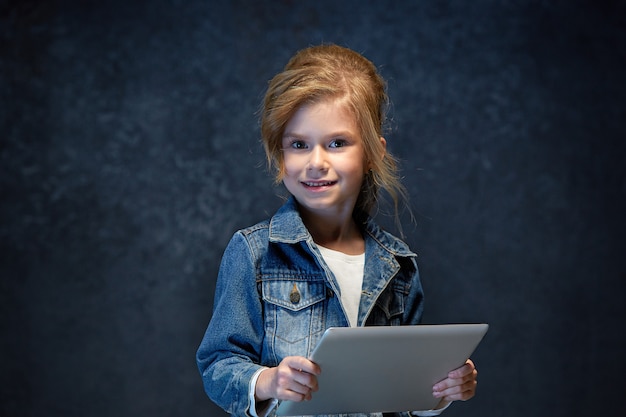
130,154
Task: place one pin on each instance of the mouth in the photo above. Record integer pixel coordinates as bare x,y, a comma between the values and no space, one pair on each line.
318,184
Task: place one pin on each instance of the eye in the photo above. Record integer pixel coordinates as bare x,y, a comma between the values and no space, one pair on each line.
338,143
292,143
297,144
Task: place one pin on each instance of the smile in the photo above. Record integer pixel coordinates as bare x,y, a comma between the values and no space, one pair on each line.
318,183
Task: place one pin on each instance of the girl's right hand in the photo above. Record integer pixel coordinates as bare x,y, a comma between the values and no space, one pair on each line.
294,379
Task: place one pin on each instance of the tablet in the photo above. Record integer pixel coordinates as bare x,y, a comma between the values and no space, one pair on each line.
384,368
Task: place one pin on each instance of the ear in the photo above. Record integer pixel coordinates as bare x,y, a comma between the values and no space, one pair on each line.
383,146
383,142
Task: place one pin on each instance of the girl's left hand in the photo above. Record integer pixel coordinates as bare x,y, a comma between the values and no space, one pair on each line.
459,385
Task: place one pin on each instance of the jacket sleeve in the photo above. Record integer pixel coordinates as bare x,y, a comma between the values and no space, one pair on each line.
230,352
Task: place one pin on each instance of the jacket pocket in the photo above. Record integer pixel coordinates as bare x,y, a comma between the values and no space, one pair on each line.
294,313
390,305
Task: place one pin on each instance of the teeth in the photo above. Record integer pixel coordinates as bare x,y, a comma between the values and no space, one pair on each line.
317,184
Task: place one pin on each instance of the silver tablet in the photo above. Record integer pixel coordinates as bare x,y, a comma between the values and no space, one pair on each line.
386,368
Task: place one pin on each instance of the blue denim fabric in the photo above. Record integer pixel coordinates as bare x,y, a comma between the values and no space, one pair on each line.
258,317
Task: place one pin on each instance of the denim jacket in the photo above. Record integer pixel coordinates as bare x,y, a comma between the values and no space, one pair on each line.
275,297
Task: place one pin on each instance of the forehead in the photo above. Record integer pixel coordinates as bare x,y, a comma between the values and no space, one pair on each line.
325,116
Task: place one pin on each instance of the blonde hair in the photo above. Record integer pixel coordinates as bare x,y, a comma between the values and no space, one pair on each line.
329,72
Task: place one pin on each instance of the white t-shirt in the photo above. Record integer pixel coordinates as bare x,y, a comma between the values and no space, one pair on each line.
348,270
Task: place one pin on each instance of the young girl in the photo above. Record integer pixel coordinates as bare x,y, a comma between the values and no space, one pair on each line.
320,261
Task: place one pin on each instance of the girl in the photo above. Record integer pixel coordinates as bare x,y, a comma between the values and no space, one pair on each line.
320,261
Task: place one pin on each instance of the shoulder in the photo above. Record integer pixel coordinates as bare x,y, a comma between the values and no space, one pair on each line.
254,236
387,240
257,228
246,247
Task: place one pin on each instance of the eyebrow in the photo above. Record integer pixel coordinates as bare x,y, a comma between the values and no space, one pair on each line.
345,133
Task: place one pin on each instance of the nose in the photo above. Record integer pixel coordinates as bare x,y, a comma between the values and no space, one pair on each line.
317,159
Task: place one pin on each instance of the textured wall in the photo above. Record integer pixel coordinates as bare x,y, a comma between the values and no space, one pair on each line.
129,155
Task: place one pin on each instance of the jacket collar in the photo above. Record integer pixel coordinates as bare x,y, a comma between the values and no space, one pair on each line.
286,226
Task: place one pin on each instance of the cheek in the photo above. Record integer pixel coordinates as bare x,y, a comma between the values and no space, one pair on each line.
291,166
285,167
286,171
357,169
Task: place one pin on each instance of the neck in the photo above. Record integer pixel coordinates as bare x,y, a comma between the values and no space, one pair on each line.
336,233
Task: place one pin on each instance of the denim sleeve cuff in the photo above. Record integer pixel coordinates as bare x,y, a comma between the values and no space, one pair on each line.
267,407
428,413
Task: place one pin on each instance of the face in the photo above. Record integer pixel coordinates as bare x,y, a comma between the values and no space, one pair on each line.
323,158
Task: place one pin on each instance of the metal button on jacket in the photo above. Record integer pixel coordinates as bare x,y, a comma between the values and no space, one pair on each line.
294,295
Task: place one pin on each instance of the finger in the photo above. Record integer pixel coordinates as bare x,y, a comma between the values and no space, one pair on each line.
460,372
453,389
462,392
295,379
291,395
452,382
301,364
468,391
302,378
294,385
305,365
307,379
